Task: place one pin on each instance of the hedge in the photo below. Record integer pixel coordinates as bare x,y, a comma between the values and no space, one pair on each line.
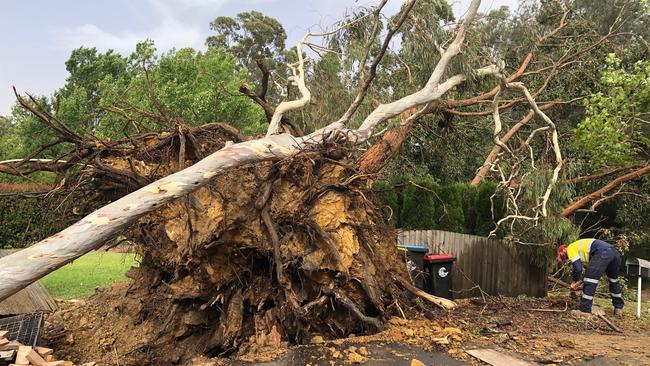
423,204
25,221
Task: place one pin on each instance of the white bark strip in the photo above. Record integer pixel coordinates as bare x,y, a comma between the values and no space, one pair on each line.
298,79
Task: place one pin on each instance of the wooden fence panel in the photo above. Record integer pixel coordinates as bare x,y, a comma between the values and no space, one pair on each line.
493,265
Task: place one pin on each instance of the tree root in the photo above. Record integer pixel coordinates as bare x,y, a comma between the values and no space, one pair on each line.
442,302
348,304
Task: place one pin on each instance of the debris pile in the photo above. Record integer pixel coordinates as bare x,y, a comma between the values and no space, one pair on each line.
17,354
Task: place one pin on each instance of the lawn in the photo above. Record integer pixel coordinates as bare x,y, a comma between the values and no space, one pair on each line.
80,278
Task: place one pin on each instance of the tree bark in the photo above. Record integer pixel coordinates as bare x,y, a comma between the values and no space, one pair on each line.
379,154
601,192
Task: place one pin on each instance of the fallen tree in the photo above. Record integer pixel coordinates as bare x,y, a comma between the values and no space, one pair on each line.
24,267
244,242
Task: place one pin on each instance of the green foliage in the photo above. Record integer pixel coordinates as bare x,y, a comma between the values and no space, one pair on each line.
631,216
26,133
184,85
248,37
420,205
615,129
5,125
24,221
96,269
195,87
423,204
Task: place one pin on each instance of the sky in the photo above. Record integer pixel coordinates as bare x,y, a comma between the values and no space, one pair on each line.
37,36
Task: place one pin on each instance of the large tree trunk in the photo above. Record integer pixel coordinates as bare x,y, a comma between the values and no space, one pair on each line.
22,268
238,249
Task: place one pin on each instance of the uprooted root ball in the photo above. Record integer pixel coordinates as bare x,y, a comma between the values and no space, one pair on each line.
269,254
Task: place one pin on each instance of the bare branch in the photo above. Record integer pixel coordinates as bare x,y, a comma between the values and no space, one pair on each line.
375,30
298,80
373,67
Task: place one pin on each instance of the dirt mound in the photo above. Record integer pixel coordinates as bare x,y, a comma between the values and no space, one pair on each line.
264,256
101,330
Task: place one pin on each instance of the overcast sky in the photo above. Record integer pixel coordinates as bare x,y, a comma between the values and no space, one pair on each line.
36,36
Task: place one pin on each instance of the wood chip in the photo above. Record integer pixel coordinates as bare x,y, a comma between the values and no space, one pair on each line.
3,341
497,358
4,333
44,351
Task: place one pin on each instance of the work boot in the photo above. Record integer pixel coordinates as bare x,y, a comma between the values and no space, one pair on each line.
618,312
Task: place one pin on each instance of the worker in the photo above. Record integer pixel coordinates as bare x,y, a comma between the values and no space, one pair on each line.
601,257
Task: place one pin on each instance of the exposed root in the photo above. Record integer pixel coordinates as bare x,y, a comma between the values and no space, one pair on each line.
266,255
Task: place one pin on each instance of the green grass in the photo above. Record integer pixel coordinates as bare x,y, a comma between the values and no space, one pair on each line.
80,278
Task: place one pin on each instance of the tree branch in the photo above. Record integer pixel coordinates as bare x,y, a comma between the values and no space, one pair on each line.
298,80
373,67
570,210
484,170
603,174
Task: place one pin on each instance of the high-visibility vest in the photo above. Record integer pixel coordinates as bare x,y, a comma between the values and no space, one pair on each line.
579,249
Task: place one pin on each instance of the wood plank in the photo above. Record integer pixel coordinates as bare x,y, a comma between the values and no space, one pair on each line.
21,356
12,345
498,358
7,355
44,351
35,359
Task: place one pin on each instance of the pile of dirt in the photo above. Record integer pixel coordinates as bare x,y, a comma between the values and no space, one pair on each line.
264,256
100,330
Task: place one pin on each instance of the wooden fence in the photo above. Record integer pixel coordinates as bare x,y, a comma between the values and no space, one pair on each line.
32,299
494,265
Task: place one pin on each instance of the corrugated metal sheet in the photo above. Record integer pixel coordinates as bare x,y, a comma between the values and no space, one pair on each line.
33,299
494,265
